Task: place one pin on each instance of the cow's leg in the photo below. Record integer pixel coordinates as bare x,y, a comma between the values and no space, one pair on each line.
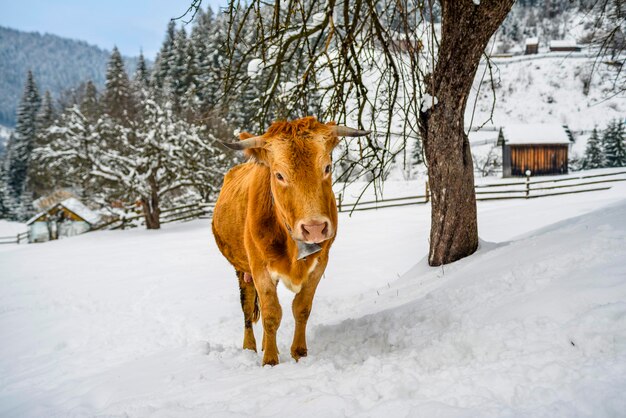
250,307
301,309
271,314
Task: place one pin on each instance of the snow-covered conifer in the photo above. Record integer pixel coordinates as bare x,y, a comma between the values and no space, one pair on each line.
614,143
594,157
46,114
164,57
38,178
90,106
118,101
142,74
22,141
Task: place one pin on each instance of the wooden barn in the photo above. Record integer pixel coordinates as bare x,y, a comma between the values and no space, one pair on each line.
65,219
532,46
540,148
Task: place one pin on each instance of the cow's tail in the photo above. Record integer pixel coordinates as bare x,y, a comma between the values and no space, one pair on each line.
249,299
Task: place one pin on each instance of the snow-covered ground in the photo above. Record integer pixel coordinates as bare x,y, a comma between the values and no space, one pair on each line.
147,323
9,228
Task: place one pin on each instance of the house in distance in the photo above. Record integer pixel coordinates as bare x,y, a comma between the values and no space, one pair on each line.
565,45
532,46
540,148
65,219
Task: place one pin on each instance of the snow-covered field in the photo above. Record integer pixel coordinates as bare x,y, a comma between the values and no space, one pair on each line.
142,323
547,88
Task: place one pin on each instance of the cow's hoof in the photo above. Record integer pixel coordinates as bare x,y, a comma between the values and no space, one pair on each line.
270,360
298,352
249,344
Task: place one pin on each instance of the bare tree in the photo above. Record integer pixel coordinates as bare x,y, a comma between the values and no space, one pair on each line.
466,29
389,66
609,36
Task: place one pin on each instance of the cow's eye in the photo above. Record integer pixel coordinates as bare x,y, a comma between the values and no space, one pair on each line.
280,177
327,169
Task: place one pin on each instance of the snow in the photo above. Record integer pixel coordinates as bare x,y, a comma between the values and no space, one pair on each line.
5,134
564,43
76,206
535,134
483,137
10,228
255,66
547,88
428,102
318,18
532,41
148,323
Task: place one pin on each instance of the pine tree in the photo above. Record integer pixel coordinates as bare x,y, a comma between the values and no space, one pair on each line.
118,101
614,142
141,81
7,201
142,75
205,80
164,57
46,114
90,106
21,144
38,178
594,157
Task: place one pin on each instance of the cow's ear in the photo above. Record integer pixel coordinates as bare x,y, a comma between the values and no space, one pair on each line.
258,154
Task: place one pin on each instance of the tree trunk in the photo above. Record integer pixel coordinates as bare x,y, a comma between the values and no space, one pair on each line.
150,206
466,30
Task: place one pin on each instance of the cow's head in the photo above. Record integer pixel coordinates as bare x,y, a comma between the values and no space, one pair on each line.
298,155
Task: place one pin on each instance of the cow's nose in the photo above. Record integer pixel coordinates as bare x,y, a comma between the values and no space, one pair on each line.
314,232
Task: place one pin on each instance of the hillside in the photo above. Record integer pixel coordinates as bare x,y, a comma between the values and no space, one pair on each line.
148,323
57,64
556,88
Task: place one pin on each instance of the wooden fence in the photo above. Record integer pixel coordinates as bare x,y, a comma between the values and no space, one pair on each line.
133,217
15,239
524,189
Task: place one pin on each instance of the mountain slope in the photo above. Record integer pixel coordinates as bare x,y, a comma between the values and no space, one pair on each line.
57,64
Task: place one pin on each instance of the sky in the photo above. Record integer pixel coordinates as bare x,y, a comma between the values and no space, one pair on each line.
132,25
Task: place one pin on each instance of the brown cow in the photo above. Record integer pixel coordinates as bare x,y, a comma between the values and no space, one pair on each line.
275,219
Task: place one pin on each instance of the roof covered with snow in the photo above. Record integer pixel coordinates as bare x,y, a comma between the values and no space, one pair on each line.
518,134
564,43
532,41
483,137
76,207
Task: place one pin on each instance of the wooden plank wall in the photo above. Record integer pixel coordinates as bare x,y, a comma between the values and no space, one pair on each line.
539,159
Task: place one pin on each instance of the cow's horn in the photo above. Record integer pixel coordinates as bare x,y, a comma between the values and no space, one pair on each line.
254,142
341,130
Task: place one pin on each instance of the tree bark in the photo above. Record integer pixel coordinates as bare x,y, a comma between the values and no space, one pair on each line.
466,30
150,206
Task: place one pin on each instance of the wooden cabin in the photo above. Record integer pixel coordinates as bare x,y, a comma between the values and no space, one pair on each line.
565,45
65,219
540,148
532,46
